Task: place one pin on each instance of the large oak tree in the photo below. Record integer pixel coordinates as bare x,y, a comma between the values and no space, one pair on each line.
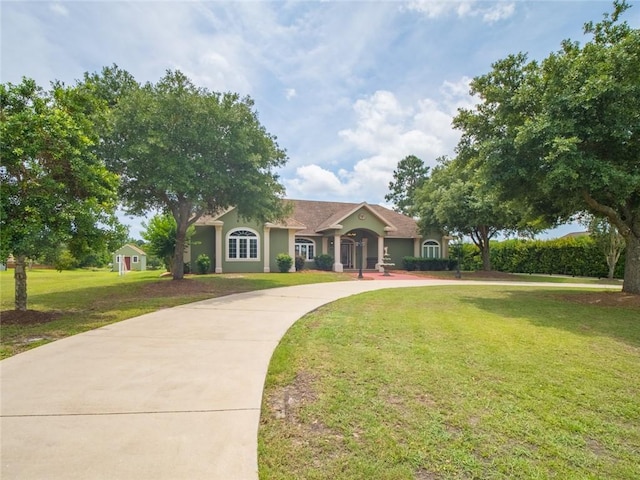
188,151
563,136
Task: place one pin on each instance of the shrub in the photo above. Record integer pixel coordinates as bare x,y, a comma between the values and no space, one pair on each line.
284,262
427,264
568,256
324,262
410,263
300,261
65,261
204,263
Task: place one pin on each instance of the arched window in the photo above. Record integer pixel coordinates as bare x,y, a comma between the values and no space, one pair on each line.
305,248
242,244
430,249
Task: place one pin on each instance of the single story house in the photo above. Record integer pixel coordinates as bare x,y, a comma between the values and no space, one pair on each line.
131,258
349,232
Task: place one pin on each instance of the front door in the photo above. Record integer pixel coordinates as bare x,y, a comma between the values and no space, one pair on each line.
346,254
127,263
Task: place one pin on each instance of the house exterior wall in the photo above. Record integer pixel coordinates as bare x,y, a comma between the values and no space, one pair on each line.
279,244
203,241
370,222
399,248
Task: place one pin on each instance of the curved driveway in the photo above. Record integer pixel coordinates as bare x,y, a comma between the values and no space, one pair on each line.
173,394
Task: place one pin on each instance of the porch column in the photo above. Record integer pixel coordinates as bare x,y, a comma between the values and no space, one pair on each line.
380,254
416,247
267,249
218,248
337,266
292,249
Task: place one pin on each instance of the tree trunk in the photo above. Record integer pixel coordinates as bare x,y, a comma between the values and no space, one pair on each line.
181,238
485,253
612,270
20,278
632,265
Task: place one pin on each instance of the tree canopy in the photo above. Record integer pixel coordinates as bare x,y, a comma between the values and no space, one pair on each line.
187,151
55,189
563,136
408,177
455,199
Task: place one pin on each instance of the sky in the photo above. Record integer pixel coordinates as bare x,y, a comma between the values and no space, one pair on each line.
349,88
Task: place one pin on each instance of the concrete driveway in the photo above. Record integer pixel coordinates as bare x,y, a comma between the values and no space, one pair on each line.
173,394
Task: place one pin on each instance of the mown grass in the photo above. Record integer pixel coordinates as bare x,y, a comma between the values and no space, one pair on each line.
85,299
480,382
518,277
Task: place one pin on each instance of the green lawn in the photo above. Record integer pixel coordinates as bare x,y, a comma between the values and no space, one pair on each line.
83,299
464,382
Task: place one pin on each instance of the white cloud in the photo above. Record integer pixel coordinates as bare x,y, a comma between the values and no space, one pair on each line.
290,93
490,12
59,9
498,12
386,131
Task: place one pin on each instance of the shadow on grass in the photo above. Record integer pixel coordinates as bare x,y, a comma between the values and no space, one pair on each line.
568,310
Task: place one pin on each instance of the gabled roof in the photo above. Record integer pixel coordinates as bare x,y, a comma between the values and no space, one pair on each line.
132,247
312,218
320,216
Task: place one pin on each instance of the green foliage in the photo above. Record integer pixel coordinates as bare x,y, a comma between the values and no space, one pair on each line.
284,262
187,151
428,264
204,263
562,136
457,200
408,177
608,240
160,234
65,261
565,256
300,263
324,262
55,188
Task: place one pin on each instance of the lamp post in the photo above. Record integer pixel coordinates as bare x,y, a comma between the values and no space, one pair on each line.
359,245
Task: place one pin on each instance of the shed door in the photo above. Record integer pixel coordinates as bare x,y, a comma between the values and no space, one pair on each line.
127,263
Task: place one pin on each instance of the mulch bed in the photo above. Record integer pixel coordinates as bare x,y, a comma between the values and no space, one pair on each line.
27,317
604,299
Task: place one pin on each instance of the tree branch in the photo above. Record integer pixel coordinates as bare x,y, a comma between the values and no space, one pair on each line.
610,213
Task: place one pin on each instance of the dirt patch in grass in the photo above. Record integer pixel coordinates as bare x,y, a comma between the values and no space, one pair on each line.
174,288
287,401
27,317
603,299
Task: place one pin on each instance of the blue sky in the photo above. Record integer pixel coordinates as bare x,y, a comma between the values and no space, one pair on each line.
348,87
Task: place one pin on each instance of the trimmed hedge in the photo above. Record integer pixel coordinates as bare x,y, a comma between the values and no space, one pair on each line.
428,264
578,257
324,262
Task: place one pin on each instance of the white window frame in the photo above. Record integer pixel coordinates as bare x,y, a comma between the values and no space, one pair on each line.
301,243
135,259
238,238
118,258
430,245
